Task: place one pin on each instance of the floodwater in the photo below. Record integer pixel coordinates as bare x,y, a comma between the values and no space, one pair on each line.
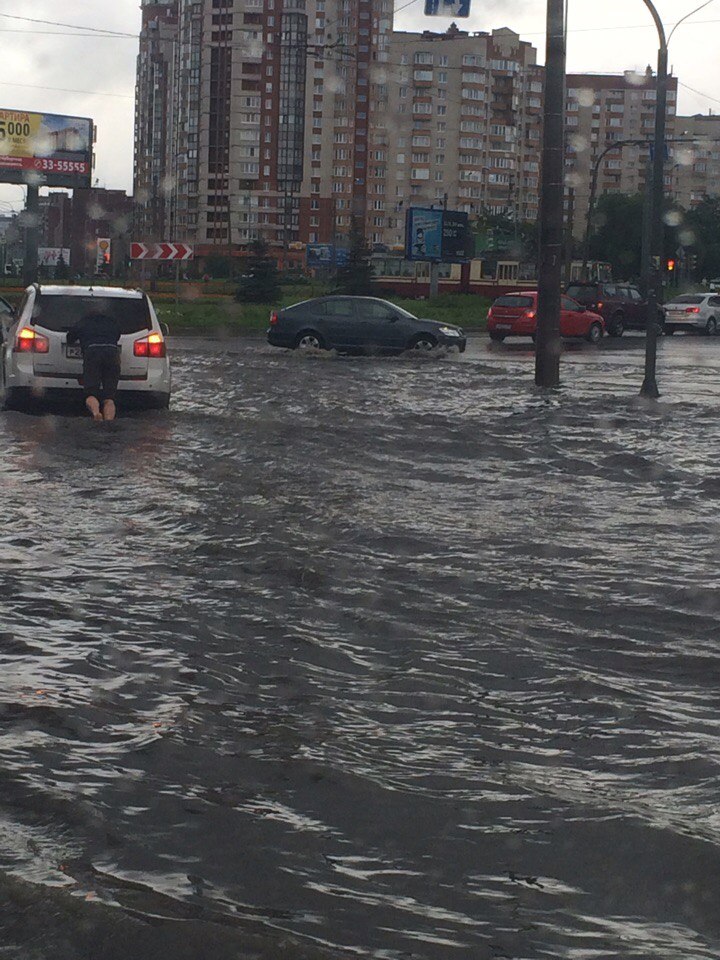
366,658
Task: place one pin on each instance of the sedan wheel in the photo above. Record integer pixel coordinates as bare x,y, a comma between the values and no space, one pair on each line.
309,340
594,334
423,342
711,327
617,326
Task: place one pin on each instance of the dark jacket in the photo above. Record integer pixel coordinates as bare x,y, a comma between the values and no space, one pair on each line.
95,329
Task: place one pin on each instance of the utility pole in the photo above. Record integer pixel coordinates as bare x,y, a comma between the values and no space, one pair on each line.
32,232
547,347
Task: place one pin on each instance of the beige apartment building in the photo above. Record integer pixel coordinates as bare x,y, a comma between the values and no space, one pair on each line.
696,165
603,110
466,126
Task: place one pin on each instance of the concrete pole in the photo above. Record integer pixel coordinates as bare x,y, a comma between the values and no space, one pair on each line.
547,347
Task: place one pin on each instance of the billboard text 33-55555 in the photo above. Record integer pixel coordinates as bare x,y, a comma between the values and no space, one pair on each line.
45,149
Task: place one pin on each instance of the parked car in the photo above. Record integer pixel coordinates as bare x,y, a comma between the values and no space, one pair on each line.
621,305
694,312
36,360
358,324
515,315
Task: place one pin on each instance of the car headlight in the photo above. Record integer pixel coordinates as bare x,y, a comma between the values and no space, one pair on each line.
450,331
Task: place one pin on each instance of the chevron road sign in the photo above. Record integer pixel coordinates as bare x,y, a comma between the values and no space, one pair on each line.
161,251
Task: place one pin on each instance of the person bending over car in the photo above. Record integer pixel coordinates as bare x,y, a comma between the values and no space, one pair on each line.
98,336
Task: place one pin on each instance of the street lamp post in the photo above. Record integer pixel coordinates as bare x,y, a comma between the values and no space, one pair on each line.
649,386
654,294
547,348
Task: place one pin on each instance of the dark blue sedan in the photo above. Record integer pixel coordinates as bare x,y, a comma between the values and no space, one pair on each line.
358,324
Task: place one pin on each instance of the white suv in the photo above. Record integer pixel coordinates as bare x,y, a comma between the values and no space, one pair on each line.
698,312
37,362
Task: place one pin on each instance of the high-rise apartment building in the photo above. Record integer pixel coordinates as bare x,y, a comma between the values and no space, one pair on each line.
467,112
156,120
274,111
600,111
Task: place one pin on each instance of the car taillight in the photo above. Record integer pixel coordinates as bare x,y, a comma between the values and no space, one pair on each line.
30,341
692,309
599,305
273,318
529,314
151,346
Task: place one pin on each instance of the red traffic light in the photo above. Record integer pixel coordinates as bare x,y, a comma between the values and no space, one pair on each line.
670,265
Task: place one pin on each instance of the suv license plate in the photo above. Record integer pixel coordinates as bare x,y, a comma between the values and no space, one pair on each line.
73,352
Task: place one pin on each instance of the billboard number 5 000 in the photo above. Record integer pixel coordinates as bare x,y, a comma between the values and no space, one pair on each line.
14,128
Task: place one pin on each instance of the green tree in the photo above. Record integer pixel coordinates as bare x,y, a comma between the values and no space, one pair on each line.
260,282
355,276
701,231
617,235
61,269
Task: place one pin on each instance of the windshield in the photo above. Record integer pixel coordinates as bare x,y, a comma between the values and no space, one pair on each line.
583,294
60,313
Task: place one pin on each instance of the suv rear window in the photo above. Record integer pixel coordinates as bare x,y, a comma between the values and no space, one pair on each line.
510,301
687,298
583,293
59,313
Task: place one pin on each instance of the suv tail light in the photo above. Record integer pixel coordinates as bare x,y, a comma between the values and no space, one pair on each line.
30,341
151,346
273,318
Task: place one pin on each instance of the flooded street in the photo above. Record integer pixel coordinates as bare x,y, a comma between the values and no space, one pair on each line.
366,658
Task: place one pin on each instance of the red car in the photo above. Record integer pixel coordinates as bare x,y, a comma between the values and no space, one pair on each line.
514,315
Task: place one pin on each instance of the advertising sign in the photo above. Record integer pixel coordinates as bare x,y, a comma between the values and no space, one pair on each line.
447,8
457,244
437,235
56,148
325,255
49,256
423,234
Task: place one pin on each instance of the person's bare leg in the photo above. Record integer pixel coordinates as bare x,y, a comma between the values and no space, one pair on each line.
108,410
93,405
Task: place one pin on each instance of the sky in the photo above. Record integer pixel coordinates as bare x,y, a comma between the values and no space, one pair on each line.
56,69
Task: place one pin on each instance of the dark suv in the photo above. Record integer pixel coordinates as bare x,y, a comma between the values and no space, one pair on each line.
621,305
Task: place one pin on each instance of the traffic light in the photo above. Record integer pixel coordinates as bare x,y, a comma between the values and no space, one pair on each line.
102,253
692,262
670,266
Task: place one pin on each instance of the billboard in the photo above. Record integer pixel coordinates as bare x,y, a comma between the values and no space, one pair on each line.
49,256
57,149
423,234
457,242
447,8
326,255
437,235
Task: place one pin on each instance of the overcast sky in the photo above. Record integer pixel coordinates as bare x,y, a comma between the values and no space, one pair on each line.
59,70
